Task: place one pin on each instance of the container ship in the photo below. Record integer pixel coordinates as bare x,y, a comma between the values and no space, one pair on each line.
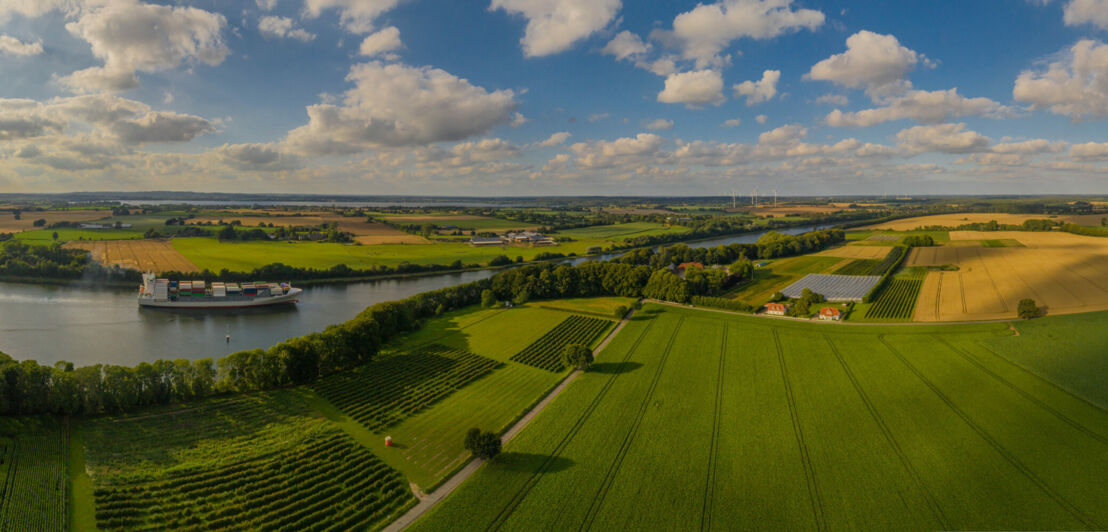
166,293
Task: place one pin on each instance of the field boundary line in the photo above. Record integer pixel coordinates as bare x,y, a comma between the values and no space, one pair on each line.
617,463
530,483
932,502
1035,374
814,495
1026,395
710,483
996,445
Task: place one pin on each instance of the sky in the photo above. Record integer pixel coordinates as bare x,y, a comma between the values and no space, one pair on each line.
555,97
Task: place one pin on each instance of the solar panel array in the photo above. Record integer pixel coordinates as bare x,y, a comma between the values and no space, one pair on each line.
834,287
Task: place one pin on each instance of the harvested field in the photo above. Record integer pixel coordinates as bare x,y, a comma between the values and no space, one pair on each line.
954,220
143,255
8,223
1065,273
856,252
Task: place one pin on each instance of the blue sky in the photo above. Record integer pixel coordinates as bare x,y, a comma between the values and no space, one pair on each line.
507,97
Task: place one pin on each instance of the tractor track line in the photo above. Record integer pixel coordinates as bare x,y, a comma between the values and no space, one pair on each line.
932,502
996,445
1042,378
617,463
710,482
805,458
516,499
1038,402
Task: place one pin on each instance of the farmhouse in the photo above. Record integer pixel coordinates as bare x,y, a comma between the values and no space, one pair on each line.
776,309
680,268
830,313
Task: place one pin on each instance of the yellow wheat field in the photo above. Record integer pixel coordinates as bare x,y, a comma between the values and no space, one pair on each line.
1065,273
142,255
857,252
954,220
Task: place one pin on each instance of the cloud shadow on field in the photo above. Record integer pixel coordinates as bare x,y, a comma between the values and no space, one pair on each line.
531,462
614,368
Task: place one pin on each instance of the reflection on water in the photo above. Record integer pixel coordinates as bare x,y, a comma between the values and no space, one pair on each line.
89,326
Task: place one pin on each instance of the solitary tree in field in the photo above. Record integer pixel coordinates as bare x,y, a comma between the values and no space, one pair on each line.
482,444
577,356
55,235
620,311
1027,309
488,299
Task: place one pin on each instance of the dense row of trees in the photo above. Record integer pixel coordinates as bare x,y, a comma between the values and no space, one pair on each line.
1032,224
771,245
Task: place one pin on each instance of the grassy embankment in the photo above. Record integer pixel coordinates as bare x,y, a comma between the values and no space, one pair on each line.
698,419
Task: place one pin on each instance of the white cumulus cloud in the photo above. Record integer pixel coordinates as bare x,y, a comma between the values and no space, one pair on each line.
554,26
921,106
875,62
556,139
11,46
626,45
282,27
400,105
1076,85
703,33
732,122
1093,12
383,41
944,138
660,124
694,89
356,16
129,37
759,91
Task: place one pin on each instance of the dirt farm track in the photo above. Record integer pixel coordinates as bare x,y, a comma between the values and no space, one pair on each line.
1066,273
143,255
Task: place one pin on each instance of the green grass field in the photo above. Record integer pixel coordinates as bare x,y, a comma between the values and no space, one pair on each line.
244,256
46,236
696,419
